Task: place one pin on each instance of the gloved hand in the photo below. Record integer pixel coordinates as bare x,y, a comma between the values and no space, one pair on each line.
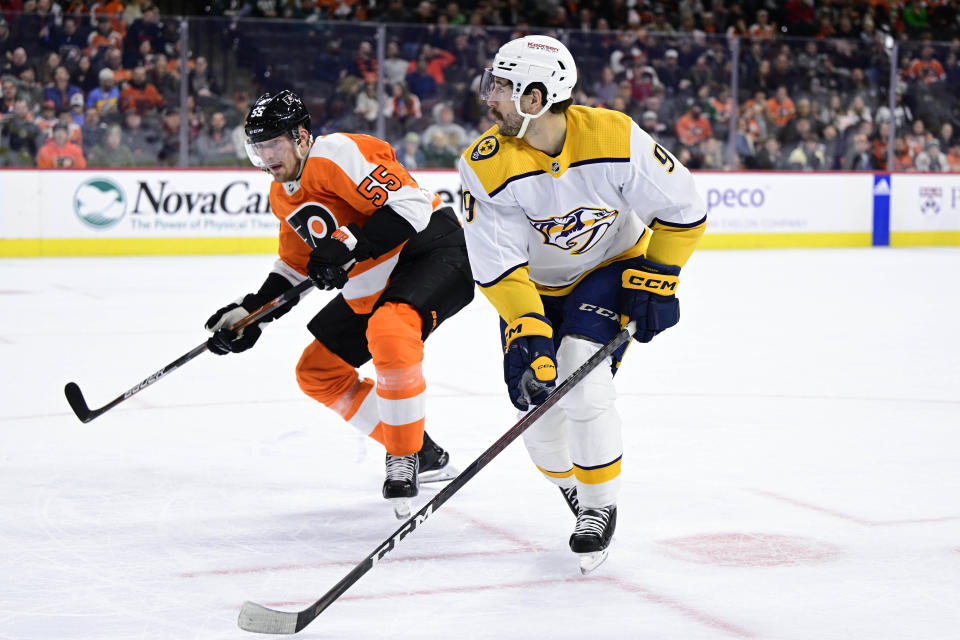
334,256
529,361
649,296
224,340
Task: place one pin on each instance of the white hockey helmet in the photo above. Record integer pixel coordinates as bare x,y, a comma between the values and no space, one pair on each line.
532,59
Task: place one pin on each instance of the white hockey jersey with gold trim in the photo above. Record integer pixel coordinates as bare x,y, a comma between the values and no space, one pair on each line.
564,216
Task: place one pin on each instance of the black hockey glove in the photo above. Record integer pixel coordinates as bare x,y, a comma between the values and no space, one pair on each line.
649,296
529,361
224,340
334,256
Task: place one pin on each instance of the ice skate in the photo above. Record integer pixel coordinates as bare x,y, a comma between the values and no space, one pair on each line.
570,495
435,462
402,483
591,536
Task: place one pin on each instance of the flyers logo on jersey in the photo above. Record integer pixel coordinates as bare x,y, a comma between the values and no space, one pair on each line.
485,148
578,231
312,221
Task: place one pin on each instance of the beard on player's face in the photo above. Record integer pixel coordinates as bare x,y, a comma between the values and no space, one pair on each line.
508,124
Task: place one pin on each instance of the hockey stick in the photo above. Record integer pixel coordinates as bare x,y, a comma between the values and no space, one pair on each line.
260,619
86,414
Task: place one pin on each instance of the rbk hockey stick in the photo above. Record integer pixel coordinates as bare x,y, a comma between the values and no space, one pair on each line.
260,619
86,414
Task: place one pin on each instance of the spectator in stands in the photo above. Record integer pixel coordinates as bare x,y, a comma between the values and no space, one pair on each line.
859,157
367,105
953,158
93,129
440,151
856,114
700,73
105,98
148,28
605,88
22,136
946,137
364,63
201,83
693,126
65,117
83,75
215,143
808,156
60,90
918,137
67,40
166,82
140,94
76,109
670,72
17,62
143,141
46,119
763,29
409,153
657,130
403,107
931,158
170,137
103,38
59,152
394,66
902,159
420,82
711,153
9,94
48,67
237,111
926,68
902,113
770,156
444,123
29,89
7,41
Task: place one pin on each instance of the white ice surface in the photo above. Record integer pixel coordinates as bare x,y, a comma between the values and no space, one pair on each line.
791,466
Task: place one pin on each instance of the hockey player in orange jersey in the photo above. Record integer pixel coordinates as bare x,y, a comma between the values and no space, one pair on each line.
352,218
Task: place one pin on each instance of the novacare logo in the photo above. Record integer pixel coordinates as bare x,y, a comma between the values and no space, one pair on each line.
99,203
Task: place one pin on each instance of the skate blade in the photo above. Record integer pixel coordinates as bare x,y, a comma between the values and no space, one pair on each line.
442,474
592,560
401,508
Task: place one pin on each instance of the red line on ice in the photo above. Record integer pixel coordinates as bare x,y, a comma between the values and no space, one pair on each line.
849,517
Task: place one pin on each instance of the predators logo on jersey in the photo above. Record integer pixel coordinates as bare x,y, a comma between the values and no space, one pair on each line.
485,148
577,231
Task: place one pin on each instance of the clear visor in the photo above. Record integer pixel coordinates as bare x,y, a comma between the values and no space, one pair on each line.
494,88
270,152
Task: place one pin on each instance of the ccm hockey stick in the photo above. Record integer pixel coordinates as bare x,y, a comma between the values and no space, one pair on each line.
260,619
86,414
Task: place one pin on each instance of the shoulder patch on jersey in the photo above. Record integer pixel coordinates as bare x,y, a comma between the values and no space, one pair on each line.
487,147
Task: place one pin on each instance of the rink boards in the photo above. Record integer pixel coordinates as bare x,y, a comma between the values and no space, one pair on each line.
210,211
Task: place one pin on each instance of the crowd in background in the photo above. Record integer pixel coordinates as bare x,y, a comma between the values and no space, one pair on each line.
88,83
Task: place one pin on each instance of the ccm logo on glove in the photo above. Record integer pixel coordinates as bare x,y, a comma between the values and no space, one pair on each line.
662,284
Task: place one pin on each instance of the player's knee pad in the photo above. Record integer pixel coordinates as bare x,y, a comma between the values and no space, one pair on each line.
549,432
393,336
595,393
323,375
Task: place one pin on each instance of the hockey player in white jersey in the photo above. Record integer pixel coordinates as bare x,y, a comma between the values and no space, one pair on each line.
576,222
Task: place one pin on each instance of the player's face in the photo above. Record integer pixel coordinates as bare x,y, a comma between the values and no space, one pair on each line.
278,156
498,95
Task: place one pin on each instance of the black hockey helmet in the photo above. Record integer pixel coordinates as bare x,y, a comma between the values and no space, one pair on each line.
273,115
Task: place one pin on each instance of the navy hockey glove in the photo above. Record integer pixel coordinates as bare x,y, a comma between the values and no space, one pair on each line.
334,256
529,361
649,296
224,340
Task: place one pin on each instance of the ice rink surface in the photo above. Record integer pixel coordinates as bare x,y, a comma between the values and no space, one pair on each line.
791,466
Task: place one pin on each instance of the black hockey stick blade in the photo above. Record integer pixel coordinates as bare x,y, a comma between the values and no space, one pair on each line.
260,619
79,404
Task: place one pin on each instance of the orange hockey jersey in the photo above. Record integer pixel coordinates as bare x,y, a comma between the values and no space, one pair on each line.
346,178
